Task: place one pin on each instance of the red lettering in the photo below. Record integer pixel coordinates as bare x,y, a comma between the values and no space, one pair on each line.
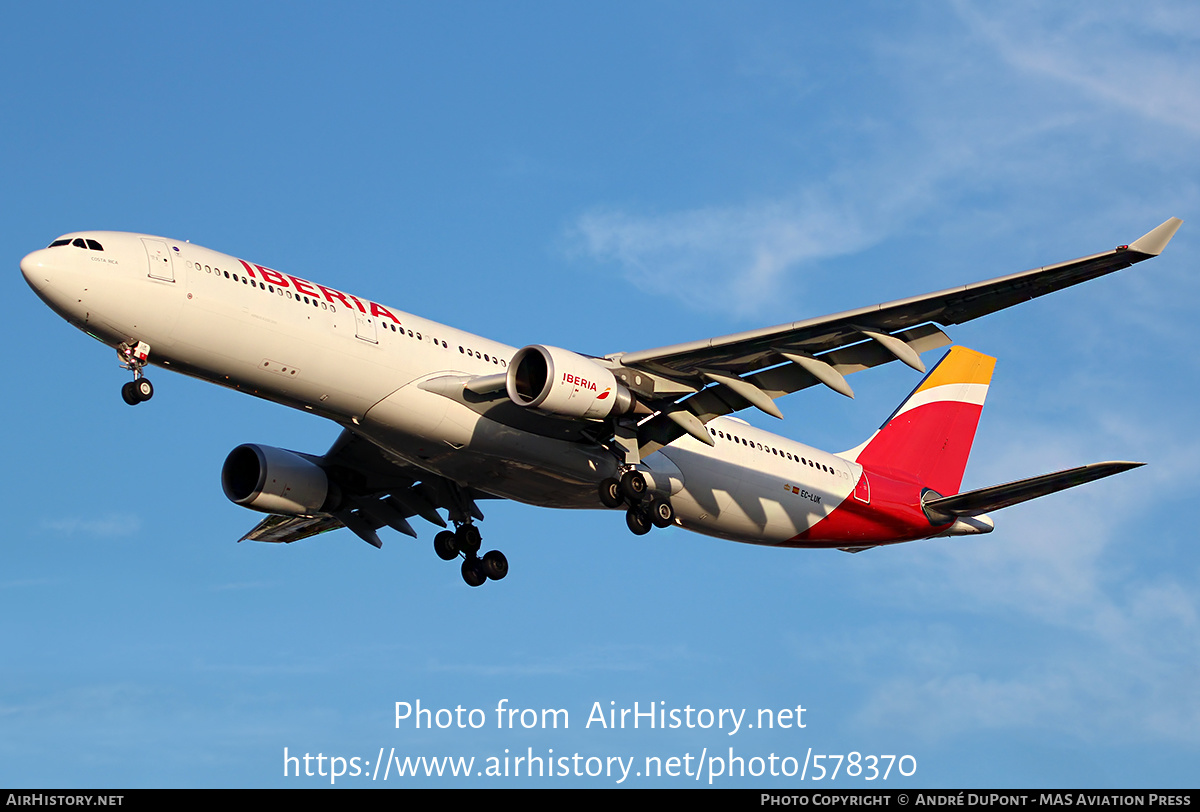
380,310
302,286
274,277
331,294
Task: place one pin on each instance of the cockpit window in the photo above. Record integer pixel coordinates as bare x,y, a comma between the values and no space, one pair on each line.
78,242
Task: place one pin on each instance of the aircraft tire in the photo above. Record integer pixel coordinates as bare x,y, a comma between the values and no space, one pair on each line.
469,539
472,572
662,514
611,495
445,544
494,565
129,394
143,389
639,522
633,485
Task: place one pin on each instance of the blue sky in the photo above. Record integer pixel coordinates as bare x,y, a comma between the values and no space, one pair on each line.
610,178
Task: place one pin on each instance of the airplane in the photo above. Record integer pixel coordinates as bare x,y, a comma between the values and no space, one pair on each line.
437,419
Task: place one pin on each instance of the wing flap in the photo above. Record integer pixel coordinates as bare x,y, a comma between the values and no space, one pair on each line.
776,382
286,529
719,400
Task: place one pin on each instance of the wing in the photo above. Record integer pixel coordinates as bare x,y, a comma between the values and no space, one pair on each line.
683,386
730,373
377,490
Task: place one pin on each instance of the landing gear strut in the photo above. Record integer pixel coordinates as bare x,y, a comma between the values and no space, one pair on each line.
133,355
642,513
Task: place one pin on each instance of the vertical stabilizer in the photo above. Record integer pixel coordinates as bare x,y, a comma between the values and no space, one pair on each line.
928,439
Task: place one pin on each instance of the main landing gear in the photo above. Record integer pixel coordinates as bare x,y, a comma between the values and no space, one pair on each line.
642,512
133,355
465,540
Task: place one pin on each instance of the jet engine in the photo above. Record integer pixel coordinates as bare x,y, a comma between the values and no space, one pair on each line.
273,480
562,382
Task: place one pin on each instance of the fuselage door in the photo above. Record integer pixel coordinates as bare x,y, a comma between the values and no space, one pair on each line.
159,256
365,327
862,489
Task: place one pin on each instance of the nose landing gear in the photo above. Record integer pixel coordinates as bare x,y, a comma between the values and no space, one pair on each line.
133,355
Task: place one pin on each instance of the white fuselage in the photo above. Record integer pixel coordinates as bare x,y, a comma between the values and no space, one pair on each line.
375,369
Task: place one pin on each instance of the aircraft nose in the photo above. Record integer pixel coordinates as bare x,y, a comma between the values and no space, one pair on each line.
35,269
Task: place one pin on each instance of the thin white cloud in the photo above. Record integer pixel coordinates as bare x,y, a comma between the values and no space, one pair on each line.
604,659
1136,57
689,254
112,525
1027,108
1110,639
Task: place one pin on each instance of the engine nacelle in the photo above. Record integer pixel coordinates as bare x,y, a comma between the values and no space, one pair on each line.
562,382
273,480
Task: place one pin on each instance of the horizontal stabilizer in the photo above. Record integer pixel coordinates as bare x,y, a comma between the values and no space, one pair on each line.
972,503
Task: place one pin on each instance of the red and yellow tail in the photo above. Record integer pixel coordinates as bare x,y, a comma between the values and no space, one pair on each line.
928,439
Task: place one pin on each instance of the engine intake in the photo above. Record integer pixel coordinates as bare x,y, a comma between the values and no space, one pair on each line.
273,480
563,382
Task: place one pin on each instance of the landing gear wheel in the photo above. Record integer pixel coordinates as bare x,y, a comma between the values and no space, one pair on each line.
633,485
143,388
661,512
494,565
472,572
445,544
129,394
469,539
638,521
611,495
